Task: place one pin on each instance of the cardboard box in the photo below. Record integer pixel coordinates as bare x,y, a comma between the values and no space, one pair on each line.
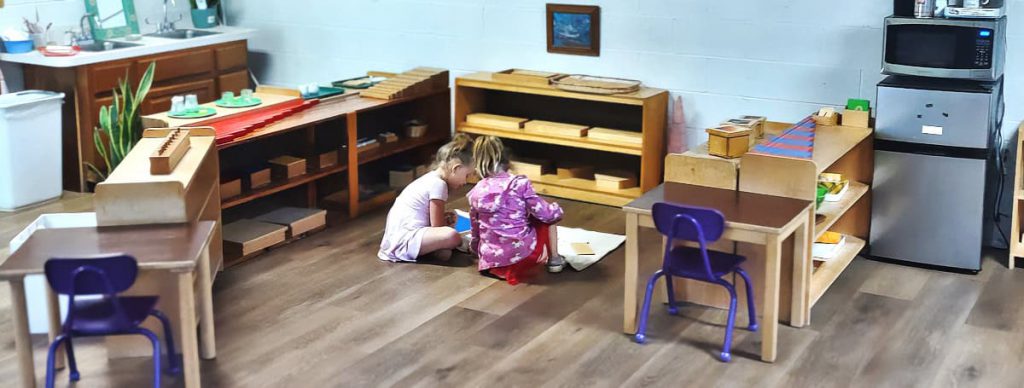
532,168
246,237
259,178
567,170
230,189
728,141
615,179
287,167
298,220
327,159
398,179
857,118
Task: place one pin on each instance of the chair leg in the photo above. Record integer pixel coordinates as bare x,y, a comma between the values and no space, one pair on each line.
51,359
640,336
726,355
72,365
751,311
672,309
174,367
156,353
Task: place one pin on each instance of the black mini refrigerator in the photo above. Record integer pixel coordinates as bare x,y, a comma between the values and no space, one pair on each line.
935,176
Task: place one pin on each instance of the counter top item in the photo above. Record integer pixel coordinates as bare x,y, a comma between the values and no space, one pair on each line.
147,46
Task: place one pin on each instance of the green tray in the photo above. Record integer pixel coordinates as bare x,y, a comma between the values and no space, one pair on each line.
325,91
204,111
236,102
364,85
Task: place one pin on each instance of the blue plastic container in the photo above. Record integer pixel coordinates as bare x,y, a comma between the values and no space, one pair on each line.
18,46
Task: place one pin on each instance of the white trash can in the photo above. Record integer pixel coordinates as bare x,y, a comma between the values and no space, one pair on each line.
30,148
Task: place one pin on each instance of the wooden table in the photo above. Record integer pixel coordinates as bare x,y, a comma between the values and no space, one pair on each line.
178,248
752,218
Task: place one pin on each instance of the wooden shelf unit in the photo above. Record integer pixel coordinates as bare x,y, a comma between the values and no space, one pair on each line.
643,112
1016,240
339,120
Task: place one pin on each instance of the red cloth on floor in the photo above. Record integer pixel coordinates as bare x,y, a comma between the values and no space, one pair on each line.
513,273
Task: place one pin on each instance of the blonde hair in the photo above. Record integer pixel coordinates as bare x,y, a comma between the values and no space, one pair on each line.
458,150
490,155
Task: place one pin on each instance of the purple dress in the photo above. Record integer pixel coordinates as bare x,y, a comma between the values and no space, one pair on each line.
503,209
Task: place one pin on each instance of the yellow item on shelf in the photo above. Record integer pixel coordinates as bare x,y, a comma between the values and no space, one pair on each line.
830,238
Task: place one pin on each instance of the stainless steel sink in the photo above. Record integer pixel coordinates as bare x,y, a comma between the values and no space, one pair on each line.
105,45
182,34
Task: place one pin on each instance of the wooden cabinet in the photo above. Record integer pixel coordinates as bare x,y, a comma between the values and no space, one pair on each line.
204,71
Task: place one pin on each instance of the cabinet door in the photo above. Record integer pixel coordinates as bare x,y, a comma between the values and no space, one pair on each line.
179,64
103,77
159,99
233,82
232,56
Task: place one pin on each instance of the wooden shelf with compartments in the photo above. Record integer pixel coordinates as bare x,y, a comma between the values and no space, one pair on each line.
1016,240
640,115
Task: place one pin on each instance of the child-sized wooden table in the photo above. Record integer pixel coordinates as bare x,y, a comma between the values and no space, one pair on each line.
182,249
753,218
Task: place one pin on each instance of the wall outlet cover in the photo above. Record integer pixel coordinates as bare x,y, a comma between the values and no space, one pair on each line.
931,130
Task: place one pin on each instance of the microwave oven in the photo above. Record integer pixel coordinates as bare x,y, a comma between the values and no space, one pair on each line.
944,48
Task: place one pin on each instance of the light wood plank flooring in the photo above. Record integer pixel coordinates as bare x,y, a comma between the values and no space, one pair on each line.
324,312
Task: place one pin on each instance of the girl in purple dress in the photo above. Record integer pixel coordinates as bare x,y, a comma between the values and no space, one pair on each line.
512,227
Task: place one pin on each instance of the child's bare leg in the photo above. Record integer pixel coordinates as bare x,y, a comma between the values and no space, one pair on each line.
556,263
439,241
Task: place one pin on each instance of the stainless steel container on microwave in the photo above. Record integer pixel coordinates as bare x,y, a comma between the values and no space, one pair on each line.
944,48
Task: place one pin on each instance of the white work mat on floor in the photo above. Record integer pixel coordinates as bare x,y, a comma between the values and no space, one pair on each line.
601,243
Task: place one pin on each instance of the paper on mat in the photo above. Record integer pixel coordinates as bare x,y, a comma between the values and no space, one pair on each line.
601,243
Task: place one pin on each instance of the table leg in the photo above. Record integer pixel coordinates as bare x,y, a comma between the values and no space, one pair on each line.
189,342
632,271
770,320
209,345
53,312
799,313
22,339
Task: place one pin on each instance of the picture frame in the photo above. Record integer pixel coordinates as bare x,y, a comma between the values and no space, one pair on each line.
574,29
108,11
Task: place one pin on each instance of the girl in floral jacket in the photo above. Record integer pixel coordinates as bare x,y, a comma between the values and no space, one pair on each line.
512,227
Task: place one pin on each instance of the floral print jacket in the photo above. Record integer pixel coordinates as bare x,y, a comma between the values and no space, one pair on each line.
503,209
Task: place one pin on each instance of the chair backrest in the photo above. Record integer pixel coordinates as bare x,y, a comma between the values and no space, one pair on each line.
91,275
690,223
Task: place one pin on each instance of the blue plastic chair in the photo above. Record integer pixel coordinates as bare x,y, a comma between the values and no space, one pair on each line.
700,225
110,314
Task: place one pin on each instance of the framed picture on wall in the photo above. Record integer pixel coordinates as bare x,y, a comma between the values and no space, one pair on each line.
574,29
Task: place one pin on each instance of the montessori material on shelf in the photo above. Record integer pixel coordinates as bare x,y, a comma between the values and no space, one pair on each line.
728,141
170,152
244,100
287,167
414,82
245,238
299,221
596,85
795,142
530,77
619,130
857,113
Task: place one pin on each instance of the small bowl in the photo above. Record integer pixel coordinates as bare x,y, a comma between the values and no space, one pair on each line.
18,46
822,190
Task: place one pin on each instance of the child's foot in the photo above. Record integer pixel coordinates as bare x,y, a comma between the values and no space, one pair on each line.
556,264
443,255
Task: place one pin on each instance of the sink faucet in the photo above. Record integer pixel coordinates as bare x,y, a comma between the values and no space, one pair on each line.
82,36
167,25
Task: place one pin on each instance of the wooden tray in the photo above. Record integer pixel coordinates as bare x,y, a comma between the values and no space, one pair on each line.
596,85
525,77
495,121
556,129
616,136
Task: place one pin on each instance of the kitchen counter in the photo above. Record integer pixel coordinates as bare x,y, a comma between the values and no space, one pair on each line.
149,45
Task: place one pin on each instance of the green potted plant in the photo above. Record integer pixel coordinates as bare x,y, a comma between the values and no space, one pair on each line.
120,124
204,13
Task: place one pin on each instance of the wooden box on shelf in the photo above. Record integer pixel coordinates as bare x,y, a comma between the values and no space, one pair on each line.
231,188
566,170
728,141
615,179
287,167
526,77
298,220
259,178
247,237
856,118
327,159
616,136
551,128
495,121
532,168
398,179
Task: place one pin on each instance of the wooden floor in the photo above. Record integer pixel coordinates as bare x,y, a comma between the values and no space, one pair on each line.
324,312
